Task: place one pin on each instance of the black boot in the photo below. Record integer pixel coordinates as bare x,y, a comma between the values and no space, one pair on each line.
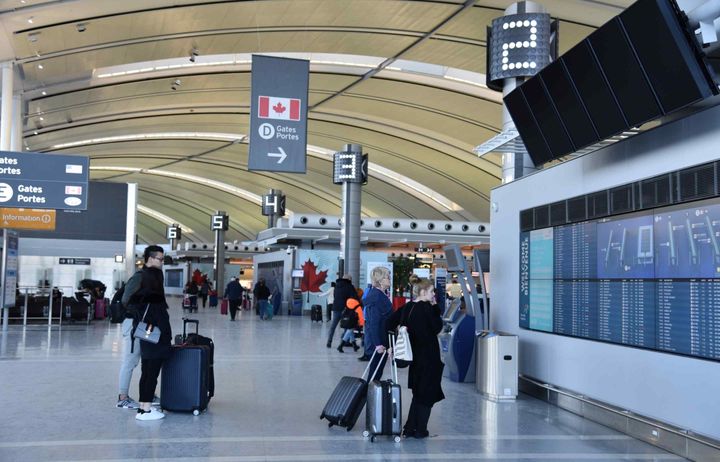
410,424
340,347
422,413
355,346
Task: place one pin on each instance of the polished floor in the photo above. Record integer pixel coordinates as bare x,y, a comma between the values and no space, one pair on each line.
59,389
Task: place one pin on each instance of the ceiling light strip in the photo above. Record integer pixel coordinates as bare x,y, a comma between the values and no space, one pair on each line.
412,187
163,218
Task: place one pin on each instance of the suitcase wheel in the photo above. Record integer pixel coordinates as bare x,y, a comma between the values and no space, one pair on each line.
366,434
397,439
196,412
330,424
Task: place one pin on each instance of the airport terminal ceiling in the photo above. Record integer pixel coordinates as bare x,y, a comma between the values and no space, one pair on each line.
403,78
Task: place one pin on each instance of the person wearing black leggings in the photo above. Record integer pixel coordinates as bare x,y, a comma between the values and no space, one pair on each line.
423,322
153,310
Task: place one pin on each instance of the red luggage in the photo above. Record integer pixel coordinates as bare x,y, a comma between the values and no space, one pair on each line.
100,306
224,306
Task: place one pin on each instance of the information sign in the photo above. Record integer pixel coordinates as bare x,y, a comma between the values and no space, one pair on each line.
278,114
50,181
74,261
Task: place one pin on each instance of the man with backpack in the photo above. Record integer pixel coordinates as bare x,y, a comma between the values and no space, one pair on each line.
131,345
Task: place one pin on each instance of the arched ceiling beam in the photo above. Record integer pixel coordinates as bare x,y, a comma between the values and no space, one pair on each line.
416,189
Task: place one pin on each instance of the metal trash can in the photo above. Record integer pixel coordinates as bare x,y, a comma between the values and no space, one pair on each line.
497,365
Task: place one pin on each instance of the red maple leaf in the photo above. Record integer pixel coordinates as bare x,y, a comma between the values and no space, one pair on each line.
279,108
311,280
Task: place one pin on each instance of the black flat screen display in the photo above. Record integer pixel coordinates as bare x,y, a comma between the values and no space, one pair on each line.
648,279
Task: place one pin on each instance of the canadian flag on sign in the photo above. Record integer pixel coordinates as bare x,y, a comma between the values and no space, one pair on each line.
271,107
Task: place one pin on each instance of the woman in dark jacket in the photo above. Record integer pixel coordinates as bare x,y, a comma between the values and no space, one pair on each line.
423,322
153,309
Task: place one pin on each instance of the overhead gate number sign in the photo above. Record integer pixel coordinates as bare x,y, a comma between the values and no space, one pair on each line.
47,181
278,114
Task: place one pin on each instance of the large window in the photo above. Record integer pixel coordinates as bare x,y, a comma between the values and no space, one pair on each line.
174,278
649,279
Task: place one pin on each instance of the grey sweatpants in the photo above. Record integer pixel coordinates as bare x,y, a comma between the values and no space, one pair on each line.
129,360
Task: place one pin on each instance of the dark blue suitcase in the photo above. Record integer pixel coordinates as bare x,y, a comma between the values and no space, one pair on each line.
186,383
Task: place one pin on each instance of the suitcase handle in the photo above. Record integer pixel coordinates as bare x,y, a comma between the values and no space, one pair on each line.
187,321
391,342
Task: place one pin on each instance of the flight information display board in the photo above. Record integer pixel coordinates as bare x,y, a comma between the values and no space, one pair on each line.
649,279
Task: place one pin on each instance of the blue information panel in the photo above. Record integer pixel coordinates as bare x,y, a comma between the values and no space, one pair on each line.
648,280
47,181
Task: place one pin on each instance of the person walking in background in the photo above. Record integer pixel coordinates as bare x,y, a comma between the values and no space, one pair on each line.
343,290
192,290
233,293
377,310
261,294
423,322
348,338
150,298
204,290
329,300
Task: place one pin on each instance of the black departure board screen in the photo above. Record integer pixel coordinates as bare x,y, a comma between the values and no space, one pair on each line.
649,279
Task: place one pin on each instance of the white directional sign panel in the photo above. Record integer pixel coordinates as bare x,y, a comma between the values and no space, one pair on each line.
278,114
47,181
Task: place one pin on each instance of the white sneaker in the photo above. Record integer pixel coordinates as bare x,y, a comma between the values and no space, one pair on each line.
152,414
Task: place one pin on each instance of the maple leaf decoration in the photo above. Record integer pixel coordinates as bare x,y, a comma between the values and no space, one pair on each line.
279,108
312,280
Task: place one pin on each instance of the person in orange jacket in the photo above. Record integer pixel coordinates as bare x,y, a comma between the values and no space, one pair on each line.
348,338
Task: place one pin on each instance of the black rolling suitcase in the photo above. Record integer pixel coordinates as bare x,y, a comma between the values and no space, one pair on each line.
316,313
186,377
347,400
383,415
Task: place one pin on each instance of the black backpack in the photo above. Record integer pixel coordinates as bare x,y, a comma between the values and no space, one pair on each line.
117,310
349,319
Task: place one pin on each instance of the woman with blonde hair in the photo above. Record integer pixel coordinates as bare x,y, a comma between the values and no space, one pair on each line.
377,310
423,322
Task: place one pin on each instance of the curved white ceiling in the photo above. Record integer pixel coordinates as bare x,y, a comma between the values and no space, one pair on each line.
403,78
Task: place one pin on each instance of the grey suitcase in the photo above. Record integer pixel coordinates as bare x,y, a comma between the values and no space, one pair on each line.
383,414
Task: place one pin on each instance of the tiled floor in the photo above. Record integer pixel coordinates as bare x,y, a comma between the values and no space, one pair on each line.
59,390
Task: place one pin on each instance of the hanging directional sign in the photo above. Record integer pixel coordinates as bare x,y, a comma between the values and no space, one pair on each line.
48,181
278,114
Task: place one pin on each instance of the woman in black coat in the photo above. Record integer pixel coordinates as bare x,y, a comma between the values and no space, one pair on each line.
153,309
423,322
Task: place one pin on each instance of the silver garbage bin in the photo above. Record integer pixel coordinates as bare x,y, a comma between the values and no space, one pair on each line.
497,365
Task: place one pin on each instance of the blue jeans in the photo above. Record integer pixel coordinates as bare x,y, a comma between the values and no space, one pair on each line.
349,336
265,309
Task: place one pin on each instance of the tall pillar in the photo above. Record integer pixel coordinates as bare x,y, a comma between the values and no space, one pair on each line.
273,206
520,44
6,105
131,230
16,138
350,170
219,223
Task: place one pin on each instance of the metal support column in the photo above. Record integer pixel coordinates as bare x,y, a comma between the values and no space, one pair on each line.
130,230
351,198
219,224
516,165
16,138
6,104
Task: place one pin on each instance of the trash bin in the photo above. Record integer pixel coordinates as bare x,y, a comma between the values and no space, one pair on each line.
497,366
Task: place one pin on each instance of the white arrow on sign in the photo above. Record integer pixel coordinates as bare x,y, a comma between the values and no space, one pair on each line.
280,154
